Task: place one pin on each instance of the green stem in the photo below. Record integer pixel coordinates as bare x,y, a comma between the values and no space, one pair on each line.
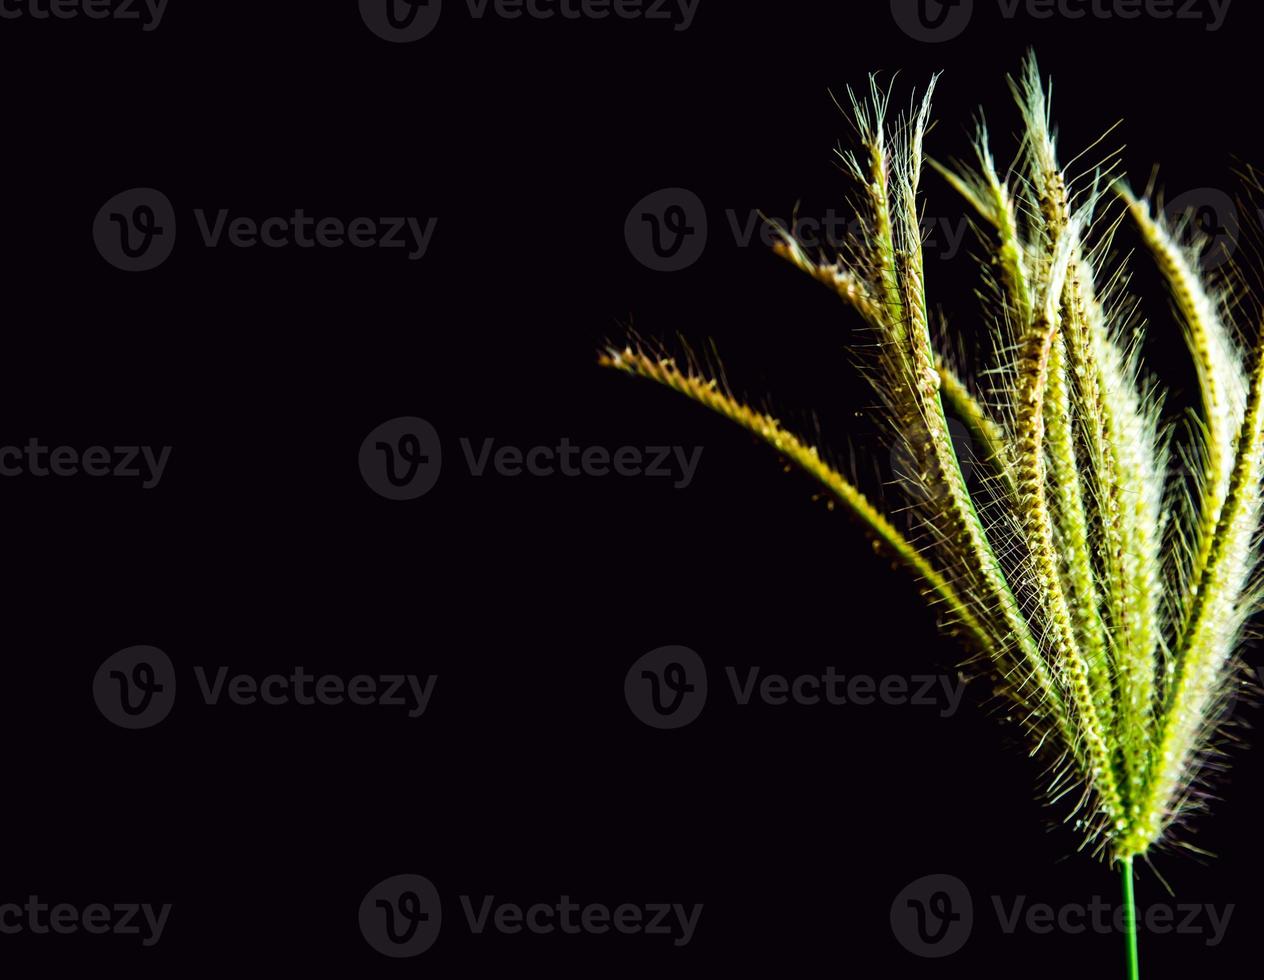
1130,918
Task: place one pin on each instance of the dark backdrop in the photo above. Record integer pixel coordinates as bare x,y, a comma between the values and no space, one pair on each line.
262,547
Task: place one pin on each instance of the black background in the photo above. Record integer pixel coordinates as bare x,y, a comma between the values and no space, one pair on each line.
262,548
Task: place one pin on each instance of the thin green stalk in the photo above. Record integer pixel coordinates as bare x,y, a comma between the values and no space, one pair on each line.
1130,918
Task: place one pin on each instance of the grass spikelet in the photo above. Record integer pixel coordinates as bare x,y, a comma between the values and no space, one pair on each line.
1108,600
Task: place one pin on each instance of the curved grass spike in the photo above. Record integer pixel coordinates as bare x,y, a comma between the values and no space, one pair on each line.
956,394
1217,616
1121,451
887,287
1117,651
1035,354
1221,380
706,391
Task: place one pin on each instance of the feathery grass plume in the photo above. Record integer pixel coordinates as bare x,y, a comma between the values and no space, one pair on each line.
1108,601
